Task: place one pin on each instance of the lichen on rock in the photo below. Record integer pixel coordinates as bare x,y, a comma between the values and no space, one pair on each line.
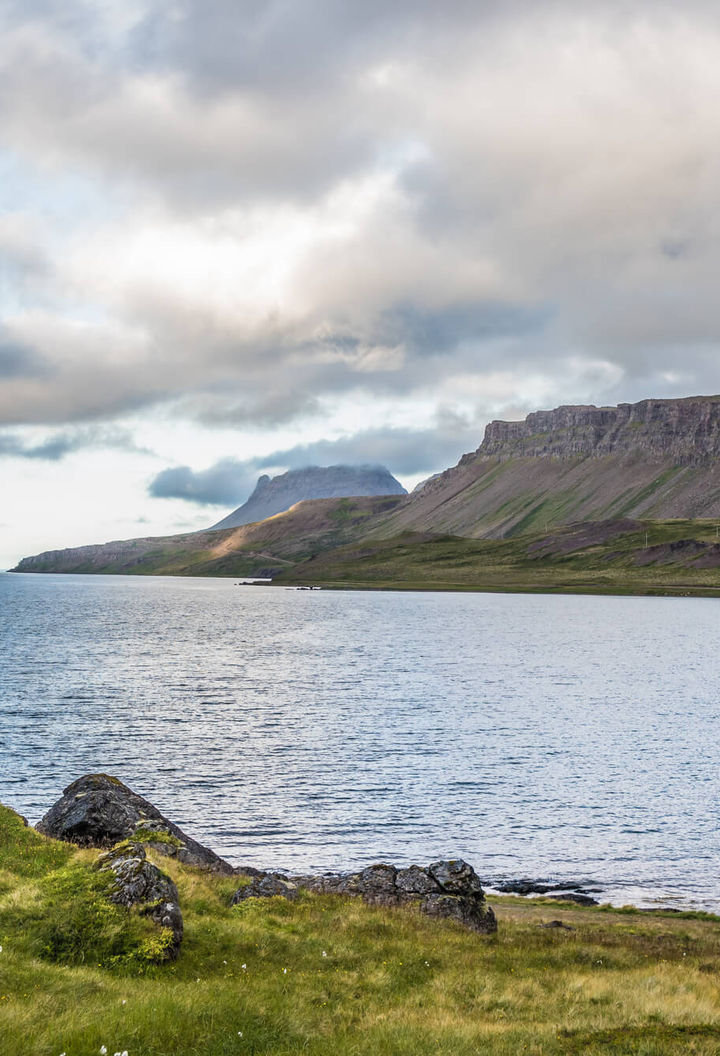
139,883
447,889
98,810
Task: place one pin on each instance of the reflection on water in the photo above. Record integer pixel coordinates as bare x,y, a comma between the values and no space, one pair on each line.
567,737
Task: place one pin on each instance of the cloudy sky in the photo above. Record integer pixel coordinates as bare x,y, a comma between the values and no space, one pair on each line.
240,236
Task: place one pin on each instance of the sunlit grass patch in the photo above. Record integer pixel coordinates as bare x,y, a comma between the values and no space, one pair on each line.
326,976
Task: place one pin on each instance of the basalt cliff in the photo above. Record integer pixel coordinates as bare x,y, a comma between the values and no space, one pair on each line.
653,461
656,459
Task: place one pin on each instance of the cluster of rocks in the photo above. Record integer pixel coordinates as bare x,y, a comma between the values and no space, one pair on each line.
100,811
449,889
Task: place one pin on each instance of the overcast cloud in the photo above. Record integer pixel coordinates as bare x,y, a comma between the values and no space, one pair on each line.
244,214
409,451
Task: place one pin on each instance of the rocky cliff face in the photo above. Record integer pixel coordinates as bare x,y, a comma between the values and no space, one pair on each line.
276,494
653,459
686,431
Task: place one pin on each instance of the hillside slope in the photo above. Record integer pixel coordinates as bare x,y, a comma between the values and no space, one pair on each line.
276,494
607,557
261,549
656,459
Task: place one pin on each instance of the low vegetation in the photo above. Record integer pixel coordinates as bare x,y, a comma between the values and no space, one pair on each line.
609,557
333,977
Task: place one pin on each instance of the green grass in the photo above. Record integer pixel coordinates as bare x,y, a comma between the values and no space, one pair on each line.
328,976
563,561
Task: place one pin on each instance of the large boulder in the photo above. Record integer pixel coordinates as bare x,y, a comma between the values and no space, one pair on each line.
444,889
98,811
137,882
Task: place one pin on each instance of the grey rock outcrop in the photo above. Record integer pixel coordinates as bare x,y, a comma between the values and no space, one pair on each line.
276,494
686,431
448,889
137,882
266,885
98,811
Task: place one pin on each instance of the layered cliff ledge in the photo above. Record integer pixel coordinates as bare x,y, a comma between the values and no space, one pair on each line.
655,459
685,431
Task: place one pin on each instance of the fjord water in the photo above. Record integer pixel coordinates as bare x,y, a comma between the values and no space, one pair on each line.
540,736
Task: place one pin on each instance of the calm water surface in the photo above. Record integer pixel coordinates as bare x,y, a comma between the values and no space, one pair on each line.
563,737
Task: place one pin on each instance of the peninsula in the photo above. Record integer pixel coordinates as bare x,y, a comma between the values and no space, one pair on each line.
581,498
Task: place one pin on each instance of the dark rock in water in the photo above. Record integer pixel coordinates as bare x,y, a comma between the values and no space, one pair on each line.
98,811
539,887
572,896
138,882
444,889
266,885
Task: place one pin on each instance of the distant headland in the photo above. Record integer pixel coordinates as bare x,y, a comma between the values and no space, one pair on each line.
580,498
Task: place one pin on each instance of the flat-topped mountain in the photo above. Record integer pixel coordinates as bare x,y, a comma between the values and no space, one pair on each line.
686,431
657,460
653,459
274,495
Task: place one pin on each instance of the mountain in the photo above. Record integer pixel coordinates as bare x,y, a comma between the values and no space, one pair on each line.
654,459
649,471
276,494
262,549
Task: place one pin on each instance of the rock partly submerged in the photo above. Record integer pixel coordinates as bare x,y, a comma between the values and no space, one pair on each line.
447,889
99,811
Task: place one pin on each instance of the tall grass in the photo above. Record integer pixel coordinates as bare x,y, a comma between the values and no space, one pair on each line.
328,976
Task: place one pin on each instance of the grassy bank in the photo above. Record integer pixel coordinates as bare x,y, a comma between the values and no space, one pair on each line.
615,557
328,976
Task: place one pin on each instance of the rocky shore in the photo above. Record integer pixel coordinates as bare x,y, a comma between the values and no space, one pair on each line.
100,811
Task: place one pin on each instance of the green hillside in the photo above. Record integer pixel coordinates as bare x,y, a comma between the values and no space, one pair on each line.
643,557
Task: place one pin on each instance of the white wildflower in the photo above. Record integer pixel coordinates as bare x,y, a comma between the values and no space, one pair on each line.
244,967
103,1050
284,971
324,953
239,1033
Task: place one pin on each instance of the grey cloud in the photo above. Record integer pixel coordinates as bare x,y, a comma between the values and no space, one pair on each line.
220,485
17,361
550,195
58,445
402,451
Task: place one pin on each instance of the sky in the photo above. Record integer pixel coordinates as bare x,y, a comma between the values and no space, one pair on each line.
238,237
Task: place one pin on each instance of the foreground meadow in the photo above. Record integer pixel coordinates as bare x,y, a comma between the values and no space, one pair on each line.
325,975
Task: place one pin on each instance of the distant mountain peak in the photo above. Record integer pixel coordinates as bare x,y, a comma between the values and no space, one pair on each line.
274,495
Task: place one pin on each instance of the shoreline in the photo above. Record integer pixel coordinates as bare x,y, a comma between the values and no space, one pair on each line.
415,587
